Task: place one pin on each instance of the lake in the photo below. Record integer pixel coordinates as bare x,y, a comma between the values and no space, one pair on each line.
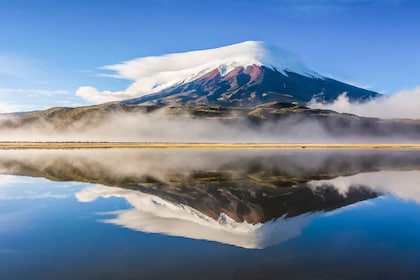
210,214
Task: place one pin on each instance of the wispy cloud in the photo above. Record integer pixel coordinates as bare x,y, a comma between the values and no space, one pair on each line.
316,7
11,99
12,66
17,67
332,3
34,92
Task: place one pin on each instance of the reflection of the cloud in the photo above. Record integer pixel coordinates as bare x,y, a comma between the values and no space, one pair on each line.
8,180
402,184
156,215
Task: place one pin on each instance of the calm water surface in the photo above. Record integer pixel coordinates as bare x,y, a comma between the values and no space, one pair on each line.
210,214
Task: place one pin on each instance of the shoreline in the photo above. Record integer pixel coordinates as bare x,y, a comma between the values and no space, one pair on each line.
164,145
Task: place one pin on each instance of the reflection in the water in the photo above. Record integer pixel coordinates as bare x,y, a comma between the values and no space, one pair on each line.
89,214
247,198
247,185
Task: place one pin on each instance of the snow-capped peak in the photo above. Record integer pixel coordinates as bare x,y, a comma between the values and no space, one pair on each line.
155,73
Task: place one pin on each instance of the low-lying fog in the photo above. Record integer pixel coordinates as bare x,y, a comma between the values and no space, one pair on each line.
155,127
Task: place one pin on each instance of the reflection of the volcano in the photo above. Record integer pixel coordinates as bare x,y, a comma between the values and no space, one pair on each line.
247,198
150,213
153,214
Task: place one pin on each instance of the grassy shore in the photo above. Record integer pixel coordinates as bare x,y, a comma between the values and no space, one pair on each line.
137,145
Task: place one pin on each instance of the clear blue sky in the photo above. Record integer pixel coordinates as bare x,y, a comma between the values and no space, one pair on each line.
49,48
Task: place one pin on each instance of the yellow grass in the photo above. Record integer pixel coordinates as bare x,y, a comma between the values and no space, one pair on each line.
136,145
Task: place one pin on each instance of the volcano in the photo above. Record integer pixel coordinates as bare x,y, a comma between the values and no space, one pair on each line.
245,75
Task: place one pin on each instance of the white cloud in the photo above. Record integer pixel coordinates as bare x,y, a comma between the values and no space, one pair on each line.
93,95
155,73
403,104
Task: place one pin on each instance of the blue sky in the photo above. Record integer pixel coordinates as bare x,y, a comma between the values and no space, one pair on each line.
50,48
